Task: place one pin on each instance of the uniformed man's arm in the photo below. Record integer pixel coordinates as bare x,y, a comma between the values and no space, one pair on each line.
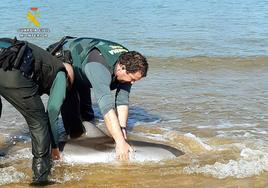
55,101
100,79
122,102
122,114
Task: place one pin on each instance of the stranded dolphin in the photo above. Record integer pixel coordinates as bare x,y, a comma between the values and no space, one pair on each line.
97,147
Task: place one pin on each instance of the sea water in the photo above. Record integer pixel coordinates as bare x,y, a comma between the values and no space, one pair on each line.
155,27
206,92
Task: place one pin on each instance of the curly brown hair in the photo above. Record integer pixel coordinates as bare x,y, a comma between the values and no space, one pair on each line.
134,62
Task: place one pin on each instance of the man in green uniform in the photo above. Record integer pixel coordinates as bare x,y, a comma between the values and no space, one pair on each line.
27,72
101,66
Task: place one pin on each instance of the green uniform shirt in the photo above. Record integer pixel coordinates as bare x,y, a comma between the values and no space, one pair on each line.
100,79
99,75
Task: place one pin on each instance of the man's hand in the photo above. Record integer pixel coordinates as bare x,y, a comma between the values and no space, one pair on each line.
122,147
55,153
122,151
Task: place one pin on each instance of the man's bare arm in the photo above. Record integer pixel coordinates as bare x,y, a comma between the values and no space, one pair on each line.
113,126
122,114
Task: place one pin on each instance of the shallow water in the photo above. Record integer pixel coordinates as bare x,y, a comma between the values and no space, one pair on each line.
213,109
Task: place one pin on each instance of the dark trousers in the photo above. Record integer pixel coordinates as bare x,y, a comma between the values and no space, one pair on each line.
77,107
22,93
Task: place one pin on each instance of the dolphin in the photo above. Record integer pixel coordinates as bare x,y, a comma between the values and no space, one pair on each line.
96,147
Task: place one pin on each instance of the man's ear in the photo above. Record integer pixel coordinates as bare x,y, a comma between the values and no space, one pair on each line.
123,67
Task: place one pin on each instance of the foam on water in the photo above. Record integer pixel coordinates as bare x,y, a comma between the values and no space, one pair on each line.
71,159
11,175
251,163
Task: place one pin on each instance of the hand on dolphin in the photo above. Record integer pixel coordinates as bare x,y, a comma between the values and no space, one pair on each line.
122,151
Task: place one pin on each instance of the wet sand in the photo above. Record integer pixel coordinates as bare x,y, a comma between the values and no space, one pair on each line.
157,176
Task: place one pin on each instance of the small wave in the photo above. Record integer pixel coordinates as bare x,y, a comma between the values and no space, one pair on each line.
252,162
234,134
173,121
227,125
188,143
135,122
150,136
199,141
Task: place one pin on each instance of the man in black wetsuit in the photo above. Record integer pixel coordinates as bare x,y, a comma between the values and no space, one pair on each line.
26,72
